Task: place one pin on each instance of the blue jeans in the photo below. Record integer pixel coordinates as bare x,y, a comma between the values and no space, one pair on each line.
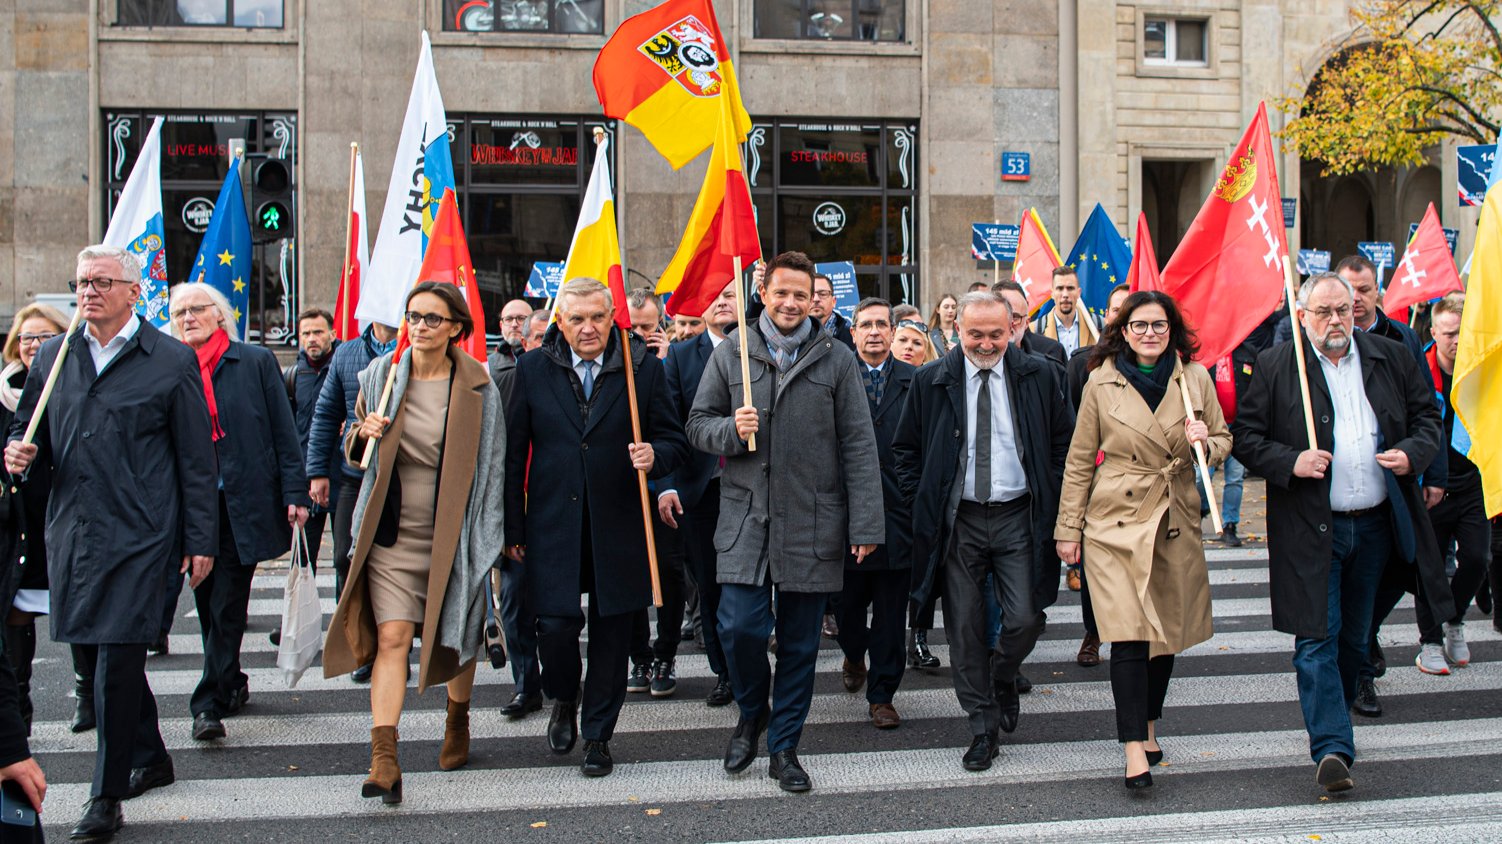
1230,504
1327,668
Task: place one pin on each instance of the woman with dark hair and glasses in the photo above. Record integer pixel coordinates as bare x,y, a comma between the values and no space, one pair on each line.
1129,496
427,527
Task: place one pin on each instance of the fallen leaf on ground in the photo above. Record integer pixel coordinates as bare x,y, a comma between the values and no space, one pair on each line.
654,812
539,824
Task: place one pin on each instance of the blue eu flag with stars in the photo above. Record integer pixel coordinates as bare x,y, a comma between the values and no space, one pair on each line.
224,258
1101,258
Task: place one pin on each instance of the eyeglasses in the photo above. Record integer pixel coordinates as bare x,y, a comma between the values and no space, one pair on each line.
913,323
1018,319
196,310
873,325
430,320
1140,327
99,285
516,319
823,294
1324,314
38,339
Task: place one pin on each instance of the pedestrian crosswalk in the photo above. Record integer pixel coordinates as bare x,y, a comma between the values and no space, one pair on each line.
293,760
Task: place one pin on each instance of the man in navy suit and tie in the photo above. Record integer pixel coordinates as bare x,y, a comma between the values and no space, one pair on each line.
689,498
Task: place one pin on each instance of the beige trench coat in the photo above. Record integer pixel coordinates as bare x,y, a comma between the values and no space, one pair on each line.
1138,511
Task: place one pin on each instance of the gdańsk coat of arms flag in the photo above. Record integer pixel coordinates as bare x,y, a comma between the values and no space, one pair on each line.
137,225
1227,273
663,71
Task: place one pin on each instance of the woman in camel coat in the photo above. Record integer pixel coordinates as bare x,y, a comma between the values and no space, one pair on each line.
1129,495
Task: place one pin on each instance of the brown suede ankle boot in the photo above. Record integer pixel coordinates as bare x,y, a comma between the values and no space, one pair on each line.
385,780
455,752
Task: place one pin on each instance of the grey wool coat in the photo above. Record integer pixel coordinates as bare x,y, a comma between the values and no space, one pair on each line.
791,509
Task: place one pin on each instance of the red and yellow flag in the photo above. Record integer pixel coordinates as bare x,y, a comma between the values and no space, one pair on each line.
1144,272
1035,262
665,71
721,227
447,259
596,249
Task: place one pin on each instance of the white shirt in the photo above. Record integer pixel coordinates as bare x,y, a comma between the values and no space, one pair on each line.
714,339
103,354
1069,336
1008,481
1356,481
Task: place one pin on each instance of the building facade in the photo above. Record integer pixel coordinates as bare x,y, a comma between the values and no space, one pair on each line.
880,127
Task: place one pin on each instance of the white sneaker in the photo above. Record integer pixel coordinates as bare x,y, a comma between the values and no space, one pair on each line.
1456,650
1431,660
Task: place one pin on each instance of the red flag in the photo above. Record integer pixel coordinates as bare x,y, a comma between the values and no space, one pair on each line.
447,259
1427,270
1035,262
1144,272
1227,273
346,327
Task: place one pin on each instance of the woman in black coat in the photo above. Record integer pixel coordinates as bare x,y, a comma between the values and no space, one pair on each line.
262,490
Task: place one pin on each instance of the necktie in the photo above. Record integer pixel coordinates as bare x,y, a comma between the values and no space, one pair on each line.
589,378
874,385
983,437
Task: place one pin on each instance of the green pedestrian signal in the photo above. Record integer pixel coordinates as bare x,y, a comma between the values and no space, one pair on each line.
271,218
271,198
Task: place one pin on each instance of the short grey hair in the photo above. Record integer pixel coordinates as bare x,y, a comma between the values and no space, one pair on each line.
580,287
1307,288
130,265
981,297
218,298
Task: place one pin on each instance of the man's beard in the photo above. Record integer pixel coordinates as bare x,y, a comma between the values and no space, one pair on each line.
984,361
1331,343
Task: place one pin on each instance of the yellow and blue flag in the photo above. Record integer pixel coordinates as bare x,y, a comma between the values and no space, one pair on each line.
224,259
1476,391
1101,259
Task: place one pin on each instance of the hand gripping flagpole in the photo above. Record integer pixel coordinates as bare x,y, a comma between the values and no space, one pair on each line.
1199,453
1298,352
57,367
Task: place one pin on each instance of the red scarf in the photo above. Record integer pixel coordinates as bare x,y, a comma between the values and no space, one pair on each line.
208,358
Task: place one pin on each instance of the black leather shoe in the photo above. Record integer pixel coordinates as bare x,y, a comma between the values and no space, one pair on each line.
1367,703
919,656
741,751
597,761
789,774
207,727
1024,685
362,674
983,748
159,647
145,779
563,726
275,636
521,706
721,695
83,708
237,700
102,818
1011,705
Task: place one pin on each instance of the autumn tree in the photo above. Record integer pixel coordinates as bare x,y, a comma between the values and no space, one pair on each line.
1416,72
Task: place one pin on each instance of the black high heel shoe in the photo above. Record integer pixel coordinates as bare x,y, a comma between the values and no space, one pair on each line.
1154,757
1142,780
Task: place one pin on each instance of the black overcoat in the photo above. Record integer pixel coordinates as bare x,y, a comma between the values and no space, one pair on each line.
260,454
578,457
897,553
134,482
929,450
1268,436
682,368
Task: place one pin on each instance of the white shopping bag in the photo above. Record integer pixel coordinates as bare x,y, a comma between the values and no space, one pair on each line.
302,616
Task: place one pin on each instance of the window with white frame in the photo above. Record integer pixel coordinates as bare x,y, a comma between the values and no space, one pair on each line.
1175,41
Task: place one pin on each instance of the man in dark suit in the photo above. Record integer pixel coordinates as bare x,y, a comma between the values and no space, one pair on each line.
980,452
581,532
1338,507
133,497
880,582
690,496
1028,341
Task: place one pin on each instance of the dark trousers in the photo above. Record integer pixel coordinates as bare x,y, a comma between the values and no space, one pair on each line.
1461,518
1327,668
746,620
520,627
223,602
885,592
317,518
173,586
1087,609
344,518
700,558
995,541
669,544
1138,684
126,712
604,683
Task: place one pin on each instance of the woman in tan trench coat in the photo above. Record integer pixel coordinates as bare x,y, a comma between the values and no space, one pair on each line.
1129,493
427,528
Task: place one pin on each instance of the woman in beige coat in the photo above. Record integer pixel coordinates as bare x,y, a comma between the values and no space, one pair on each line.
1129,495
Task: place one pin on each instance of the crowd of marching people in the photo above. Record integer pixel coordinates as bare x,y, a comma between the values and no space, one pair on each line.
812,475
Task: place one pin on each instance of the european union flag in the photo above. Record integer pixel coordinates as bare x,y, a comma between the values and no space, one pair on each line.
1101,258
224,258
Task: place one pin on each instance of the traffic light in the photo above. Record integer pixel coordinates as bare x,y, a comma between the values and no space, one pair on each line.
271,207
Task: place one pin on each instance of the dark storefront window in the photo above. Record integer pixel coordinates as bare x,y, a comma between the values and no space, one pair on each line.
832,20
253,14
567,16
196,147
520,182
840,192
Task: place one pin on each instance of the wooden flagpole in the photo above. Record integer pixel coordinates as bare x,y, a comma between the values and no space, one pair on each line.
740,322
1298,351
1199,454
995,261
57,367
370,445
641,475
349,236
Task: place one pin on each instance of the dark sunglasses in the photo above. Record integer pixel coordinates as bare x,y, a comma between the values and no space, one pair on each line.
913,323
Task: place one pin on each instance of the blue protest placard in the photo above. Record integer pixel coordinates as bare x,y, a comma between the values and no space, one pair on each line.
842,279
544,280
1016,166
993,241
1380,253
1451,235
1313,261
1290,210
1473,165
